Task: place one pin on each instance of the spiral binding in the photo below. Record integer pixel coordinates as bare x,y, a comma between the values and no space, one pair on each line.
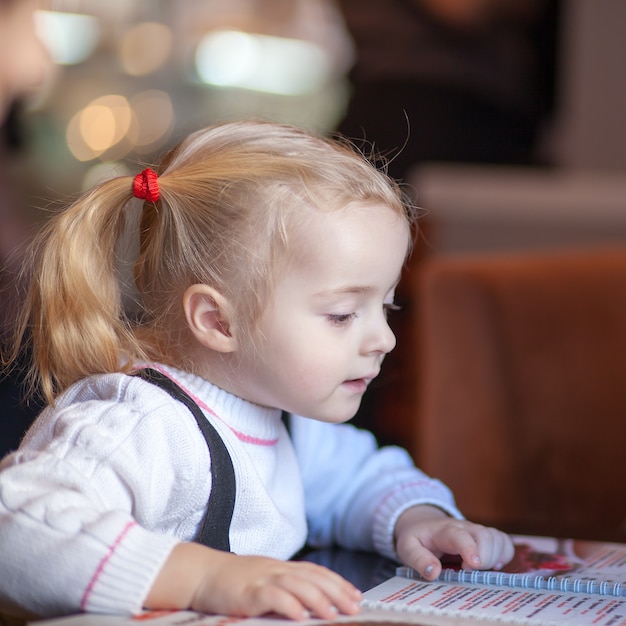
524,581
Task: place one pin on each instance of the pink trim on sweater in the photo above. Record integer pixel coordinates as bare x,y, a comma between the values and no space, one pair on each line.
257,441
102,564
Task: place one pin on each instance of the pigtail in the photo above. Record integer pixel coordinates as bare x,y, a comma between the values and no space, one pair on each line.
74,316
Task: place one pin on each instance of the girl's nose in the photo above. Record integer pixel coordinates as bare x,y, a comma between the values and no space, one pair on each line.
380,339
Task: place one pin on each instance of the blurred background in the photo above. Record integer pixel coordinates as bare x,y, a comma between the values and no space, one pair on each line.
130,77
426,83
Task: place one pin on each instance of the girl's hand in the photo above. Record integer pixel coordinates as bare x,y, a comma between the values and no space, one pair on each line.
424,534
210,581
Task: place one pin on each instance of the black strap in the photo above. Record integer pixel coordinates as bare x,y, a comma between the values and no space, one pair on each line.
284,416
219,512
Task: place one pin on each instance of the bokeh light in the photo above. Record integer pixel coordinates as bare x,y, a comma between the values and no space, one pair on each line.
145,48
232,58
99,126
111,125
69,37
153,120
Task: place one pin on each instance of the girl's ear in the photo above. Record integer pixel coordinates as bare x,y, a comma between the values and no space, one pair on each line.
207,313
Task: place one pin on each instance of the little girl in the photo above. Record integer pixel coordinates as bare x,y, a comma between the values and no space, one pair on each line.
161,475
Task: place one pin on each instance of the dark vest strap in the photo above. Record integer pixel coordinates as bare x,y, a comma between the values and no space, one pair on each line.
286,419
216,523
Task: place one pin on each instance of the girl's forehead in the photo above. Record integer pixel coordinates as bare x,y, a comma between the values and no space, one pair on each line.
349,217
357,252
355,231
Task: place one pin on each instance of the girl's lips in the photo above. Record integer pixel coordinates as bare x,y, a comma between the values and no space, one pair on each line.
358,384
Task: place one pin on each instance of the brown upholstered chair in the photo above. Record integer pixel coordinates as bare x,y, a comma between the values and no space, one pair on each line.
522,388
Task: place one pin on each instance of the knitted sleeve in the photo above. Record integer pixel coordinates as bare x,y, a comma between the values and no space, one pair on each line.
354,490
80,500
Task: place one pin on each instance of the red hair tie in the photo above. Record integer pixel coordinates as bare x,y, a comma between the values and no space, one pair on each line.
146,185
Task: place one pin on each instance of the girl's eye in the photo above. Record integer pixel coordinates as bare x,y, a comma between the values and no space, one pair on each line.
342,319
390,306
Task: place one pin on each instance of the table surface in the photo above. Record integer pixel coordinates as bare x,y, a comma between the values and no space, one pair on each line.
363,569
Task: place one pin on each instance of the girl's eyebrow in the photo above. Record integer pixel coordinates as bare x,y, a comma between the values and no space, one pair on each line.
347,290
351,289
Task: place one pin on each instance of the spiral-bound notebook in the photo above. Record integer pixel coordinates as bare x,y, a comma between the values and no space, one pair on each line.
549,581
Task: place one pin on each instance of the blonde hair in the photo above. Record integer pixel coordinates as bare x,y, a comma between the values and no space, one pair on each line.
229,195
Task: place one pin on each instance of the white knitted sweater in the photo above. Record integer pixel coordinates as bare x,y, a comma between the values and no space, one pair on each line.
108,481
